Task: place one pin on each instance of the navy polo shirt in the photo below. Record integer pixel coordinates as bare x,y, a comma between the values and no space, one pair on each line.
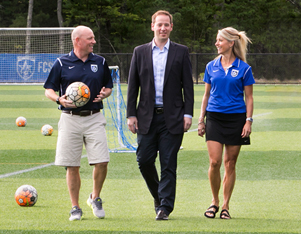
227,87
94,72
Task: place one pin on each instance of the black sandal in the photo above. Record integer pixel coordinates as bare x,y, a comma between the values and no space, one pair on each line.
211,212
225,214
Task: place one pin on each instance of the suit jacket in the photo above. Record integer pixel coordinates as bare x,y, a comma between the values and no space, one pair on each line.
178,94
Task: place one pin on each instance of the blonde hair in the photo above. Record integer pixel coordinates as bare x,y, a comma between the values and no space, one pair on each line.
240,41
161,12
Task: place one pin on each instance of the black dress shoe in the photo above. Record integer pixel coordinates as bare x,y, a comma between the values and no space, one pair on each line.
161,215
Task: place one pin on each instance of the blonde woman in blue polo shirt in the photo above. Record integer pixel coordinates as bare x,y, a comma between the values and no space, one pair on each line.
227,106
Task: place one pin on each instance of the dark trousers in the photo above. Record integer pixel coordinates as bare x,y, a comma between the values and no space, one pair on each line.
168,145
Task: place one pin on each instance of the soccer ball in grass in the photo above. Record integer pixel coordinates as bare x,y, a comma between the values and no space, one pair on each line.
78,93
47,130
21,121
26,195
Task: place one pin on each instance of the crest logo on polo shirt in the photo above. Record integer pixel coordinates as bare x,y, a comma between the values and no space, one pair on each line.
234,72
94,67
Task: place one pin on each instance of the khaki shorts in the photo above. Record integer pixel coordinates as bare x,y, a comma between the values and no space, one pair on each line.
75,131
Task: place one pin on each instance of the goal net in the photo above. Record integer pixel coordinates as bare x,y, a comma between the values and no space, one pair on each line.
27,54
120,138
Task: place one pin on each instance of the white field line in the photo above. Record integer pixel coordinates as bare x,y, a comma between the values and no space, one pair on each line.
26,170
50,164
29,169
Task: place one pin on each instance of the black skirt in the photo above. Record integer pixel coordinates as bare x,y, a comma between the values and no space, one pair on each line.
226,128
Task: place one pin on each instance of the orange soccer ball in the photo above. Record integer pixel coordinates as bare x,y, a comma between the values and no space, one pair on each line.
78,93
21,121
26,195
47,130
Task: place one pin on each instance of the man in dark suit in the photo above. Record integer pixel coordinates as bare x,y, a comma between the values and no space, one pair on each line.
161,71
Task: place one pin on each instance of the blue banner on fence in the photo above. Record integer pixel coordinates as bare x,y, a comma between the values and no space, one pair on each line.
26,68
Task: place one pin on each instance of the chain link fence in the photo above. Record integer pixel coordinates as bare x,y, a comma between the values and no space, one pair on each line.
267,68
27,55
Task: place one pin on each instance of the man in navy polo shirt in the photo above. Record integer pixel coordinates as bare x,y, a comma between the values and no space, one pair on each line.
81,125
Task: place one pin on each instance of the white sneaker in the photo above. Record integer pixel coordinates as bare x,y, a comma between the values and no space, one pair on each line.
75,214
96,206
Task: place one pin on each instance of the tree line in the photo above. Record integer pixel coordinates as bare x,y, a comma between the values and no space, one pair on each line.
120,25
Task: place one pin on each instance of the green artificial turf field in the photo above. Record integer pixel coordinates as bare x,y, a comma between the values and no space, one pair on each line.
266,197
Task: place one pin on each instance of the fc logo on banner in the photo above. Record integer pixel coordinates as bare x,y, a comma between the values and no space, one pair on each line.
25,66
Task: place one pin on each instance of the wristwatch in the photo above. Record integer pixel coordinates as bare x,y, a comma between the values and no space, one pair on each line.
249,119
58,101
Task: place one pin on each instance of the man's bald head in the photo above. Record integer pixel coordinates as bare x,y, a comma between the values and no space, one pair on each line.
79,31
83,40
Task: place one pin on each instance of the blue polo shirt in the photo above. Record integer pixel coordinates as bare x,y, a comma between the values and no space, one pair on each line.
94,72
227,87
